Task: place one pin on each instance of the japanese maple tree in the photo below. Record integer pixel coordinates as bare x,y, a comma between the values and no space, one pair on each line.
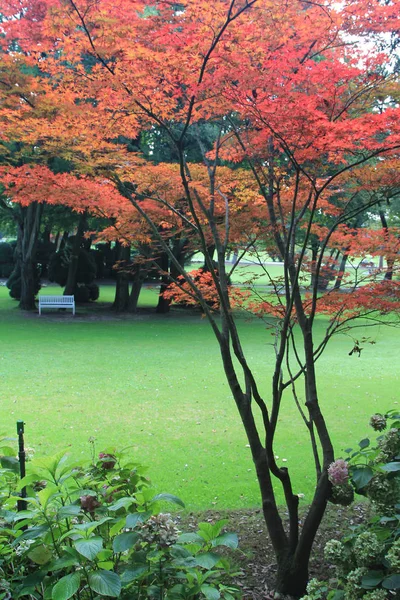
303,145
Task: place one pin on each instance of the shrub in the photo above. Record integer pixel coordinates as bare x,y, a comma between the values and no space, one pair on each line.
367,559
97,530
6,259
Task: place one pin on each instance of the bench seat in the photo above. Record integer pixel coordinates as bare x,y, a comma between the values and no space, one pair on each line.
56,302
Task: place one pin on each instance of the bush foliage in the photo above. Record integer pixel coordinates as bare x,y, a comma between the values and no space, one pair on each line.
97,531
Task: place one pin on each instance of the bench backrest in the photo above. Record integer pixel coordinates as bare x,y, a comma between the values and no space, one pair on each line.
56,299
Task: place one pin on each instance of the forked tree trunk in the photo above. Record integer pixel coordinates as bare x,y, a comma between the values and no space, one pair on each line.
137,283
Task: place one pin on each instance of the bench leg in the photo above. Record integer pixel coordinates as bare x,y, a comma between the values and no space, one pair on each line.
40,310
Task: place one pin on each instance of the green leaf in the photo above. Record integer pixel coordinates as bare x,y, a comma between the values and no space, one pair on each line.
391,467
40,555
392,582
168,498
10,462
207,560
125,541
133,573
71,510
372,579
66,587
361,476
105,583
63,563
89,548
135,518
226,539
190,538
364,443
210,592
122,503
209,532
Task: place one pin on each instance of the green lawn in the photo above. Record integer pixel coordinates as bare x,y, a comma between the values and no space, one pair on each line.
156,383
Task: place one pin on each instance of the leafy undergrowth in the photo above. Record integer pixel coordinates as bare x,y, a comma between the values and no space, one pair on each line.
255,557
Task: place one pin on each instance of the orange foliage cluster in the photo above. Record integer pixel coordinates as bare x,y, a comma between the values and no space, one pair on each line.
296,90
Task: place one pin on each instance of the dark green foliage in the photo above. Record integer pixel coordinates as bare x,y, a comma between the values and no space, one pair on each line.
94,291
96,530
14,282
59,264
6,259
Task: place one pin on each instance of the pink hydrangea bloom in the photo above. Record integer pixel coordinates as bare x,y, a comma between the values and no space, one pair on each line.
338,472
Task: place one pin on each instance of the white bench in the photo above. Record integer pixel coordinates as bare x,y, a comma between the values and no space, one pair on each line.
56,302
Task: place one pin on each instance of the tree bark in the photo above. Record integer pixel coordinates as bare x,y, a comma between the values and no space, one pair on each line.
121,300
73,264
29,232
163,303
138,278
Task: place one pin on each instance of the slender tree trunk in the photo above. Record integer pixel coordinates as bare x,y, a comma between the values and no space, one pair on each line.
389,261
63,240
342,267
121,301
73,264
29,232
163,304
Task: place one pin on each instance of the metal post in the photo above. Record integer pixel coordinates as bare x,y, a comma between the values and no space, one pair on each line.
22,505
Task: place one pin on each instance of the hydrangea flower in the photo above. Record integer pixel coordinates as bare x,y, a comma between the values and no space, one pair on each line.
338,472
161,530
378,422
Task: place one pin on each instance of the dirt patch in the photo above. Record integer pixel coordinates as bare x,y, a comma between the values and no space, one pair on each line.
255,558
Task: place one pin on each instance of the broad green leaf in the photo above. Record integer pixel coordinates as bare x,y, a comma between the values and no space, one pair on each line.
361,476
134,572
116,528
168,498
210,592
63,563
392,582
190,538
122,503
89,548
105,583
125,541
364,443
226,539
372,579
71,510
135,518
66,587
40,555
391,467
27,480
209,532
47,494
7,451
208,560
10,462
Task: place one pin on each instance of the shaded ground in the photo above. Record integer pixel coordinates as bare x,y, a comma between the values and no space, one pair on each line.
255,559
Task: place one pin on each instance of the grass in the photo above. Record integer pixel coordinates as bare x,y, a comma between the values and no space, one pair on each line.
156,383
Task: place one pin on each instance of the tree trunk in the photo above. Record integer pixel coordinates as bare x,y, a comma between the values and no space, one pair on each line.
342,267
29,232
121,301
163,303
63,240
138,278
73,263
